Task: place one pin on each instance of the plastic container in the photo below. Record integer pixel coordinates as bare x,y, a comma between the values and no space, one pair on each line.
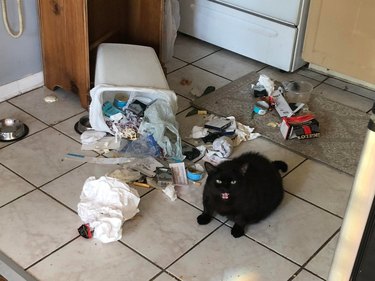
298,92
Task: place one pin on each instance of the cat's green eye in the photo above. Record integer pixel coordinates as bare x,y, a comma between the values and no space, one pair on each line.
233,182
219,181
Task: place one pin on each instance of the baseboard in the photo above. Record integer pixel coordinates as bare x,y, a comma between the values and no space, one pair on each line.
21,86
341,76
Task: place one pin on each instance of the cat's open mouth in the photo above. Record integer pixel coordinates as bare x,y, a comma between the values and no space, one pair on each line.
225,195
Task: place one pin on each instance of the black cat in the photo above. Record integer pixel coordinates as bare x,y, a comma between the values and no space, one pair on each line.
245,189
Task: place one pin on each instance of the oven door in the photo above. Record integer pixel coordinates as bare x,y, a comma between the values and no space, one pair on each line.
265,40
287,11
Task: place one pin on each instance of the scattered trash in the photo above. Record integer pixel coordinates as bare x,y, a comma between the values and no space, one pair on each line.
144,128
144,146
104,145
281,105
178,173
97,160
146,166
192,112
195,111
164,176
50,99
267,83
91,137
170,191
208,90
196,92
195,172
244,133
198,132
125,174
259,91
218,124
298,91
141,184
85,231
261,107
272,124
190,152
160,122
106,203
223,146
301,127
289,98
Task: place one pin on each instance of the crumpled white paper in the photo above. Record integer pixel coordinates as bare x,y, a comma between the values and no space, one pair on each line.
170,191
198,132
91,136
223,146
105,204
267,83
244,133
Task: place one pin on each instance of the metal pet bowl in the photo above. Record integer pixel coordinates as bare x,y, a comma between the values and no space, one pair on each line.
12,129
82,125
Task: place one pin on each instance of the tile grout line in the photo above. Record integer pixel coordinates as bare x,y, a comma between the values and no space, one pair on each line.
52,252
303,267
195,245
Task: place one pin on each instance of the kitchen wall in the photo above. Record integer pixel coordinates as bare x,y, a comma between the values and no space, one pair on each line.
21,57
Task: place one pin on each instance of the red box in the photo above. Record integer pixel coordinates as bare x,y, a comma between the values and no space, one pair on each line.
301,127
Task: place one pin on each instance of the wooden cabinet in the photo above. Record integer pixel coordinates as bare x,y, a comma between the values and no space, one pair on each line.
71,31
340,36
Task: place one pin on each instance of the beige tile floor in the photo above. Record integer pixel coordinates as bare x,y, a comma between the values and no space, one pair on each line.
39,195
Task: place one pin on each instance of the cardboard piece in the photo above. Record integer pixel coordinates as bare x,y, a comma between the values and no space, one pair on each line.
301,127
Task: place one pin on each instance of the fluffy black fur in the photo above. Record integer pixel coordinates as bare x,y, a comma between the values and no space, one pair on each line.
245,189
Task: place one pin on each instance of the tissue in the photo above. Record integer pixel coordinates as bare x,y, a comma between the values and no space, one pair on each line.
105,204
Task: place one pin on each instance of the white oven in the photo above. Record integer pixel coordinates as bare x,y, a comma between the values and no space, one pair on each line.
270,31
283,10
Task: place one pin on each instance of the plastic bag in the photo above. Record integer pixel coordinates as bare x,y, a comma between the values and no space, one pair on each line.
171,25
143,146
160,122
102,93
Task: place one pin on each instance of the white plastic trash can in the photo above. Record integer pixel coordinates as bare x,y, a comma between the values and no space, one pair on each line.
129,65
135,73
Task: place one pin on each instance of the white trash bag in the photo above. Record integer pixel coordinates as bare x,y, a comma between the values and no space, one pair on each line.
102,93
106,203
160,122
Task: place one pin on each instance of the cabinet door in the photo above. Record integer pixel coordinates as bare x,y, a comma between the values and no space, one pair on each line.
340,36
144,23
65,45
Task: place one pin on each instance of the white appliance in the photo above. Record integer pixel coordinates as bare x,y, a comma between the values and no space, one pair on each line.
269,31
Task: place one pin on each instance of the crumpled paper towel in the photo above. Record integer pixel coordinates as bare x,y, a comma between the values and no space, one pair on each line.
170,191
91,136
198,132
105,204
223,146
267,83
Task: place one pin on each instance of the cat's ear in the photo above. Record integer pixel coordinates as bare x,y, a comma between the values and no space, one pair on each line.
244,168
210,168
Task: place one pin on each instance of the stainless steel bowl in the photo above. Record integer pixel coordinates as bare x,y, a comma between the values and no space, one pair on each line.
12,129
82,125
